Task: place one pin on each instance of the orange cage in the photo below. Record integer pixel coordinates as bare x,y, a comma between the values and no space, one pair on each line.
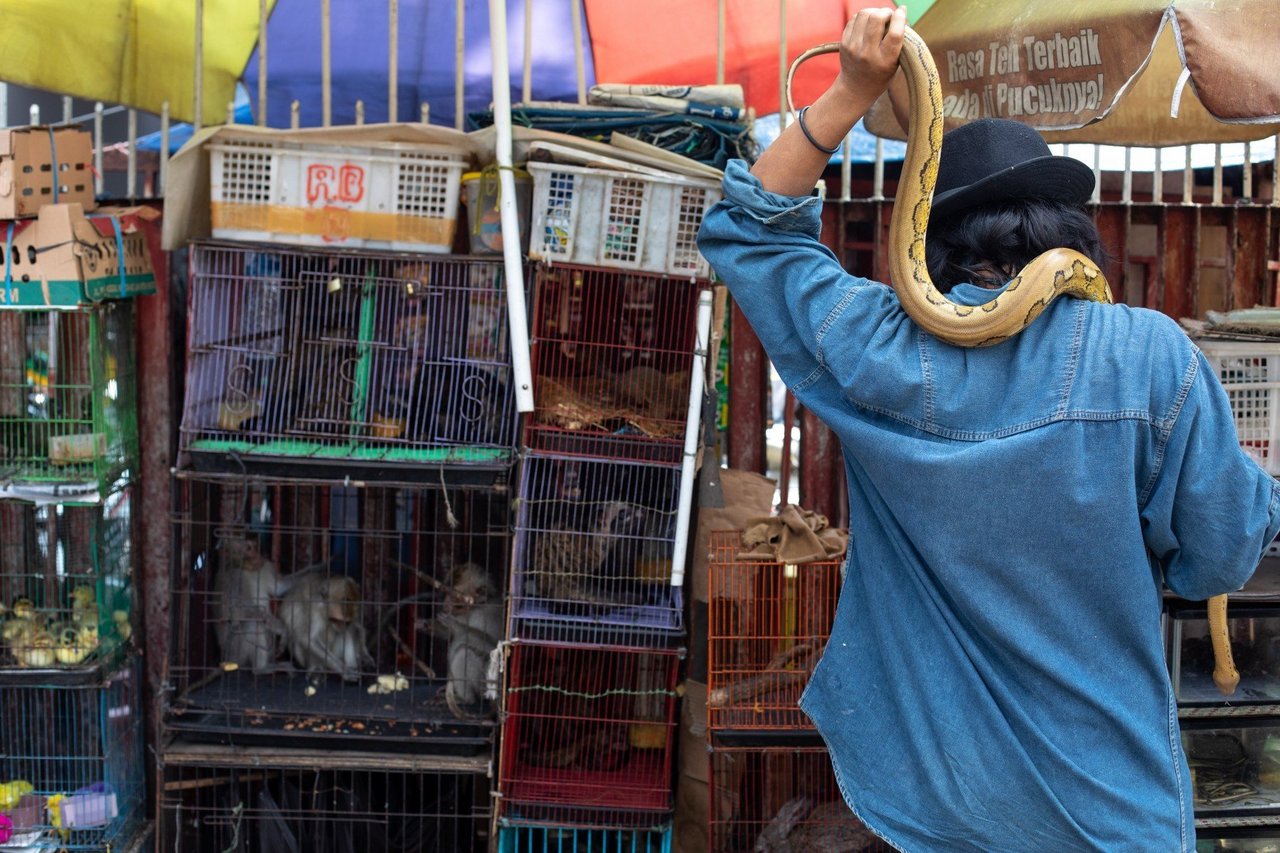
767,626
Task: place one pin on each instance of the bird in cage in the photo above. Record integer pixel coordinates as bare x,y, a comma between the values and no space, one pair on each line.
27,635
248,634
801,825
323,626
593,566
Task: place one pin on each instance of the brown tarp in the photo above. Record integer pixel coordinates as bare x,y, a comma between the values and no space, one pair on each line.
1065,67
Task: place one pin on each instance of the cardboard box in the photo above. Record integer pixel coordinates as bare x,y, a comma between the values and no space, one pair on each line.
65,258
44,165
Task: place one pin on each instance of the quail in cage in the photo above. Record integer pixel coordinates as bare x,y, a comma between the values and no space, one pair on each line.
801,826
596,566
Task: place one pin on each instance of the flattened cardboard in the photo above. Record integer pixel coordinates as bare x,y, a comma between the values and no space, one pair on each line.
65,258
30,160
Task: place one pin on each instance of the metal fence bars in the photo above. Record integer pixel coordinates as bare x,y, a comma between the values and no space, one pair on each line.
521,838
67,396
71,772
588,735
611,354
767,626
780,799
390,362
337,615
281,800
594,544
66,587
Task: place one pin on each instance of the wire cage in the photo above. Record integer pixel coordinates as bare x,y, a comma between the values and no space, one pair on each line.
372,361
593,553
588,735
612,353
780,799
521,838
66,587
767,625
320,802
337,614
68,398
71,772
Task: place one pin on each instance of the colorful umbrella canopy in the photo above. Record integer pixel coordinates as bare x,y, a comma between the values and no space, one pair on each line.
140,53
1108,71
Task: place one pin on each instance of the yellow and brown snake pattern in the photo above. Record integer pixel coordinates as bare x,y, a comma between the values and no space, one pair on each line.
1055,273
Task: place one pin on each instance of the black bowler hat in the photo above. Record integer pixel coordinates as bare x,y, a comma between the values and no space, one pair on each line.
993,159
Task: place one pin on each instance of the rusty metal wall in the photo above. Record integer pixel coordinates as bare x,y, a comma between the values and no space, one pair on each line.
1181,259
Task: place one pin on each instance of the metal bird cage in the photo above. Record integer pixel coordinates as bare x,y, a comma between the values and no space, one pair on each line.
780,799
593,553
767,625
66,587
588,735
71,771
612,353
381,364
337,615
519,838
68,416
273,800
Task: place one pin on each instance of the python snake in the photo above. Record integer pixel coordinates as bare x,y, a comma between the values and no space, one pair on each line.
1055,273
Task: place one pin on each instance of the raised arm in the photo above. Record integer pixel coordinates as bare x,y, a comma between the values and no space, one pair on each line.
869,51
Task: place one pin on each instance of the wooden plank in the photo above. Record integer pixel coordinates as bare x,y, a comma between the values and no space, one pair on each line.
748,383
1248,244
1176,257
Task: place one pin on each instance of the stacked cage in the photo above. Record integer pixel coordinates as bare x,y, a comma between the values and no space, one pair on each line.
71,741
620,319
342,528
772,785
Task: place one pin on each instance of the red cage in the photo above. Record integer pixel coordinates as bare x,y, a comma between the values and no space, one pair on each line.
588,735
781,799
612,353
767,625
335,614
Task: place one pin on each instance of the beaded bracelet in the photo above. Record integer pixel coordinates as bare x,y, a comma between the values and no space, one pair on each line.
809,136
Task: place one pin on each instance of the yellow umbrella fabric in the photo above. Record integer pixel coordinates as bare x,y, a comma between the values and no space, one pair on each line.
1107,71
140,53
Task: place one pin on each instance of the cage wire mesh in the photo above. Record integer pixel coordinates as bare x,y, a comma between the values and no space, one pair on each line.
71,762
767,625
67,396
588,734
520,838
776,799
66,585
337,614
612,353
355,358
270,802
593,552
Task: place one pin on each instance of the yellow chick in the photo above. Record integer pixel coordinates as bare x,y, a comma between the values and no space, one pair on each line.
37,651
124,630
12,792
84,605
23,618
75,644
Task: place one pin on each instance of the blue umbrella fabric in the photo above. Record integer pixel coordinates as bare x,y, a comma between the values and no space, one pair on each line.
425,55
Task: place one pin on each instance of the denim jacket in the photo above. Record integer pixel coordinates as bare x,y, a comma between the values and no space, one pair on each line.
995,679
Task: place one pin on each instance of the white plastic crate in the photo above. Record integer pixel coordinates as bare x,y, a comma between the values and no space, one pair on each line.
1250,374
379,196
602,217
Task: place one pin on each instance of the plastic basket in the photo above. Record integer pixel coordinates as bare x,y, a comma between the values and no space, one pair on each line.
607,218
1250,374
387,196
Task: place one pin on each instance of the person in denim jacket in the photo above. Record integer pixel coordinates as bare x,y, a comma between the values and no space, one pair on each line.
995,679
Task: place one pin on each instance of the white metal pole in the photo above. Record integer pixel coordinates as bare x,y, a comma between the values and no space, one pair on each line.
1247,186
393,58
459,54
692,438
1217,174
517,319
846,169
1126,193
295,113
97,148
262,63
1097,174
131,170
326,68
877,174
1188,178
359,111
67,111
720,16
578,62
33,114
1157,179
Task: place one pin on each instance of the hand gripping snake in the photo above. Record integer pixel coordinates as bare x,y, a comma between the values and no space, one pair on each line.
1055,273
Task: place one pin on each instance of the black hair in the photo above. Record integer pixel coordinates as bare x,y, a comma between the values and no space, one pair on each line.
988,245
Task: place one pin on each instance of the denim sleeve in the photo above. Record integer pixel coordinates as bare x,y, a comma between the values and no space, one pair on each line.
765,247
1212,510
